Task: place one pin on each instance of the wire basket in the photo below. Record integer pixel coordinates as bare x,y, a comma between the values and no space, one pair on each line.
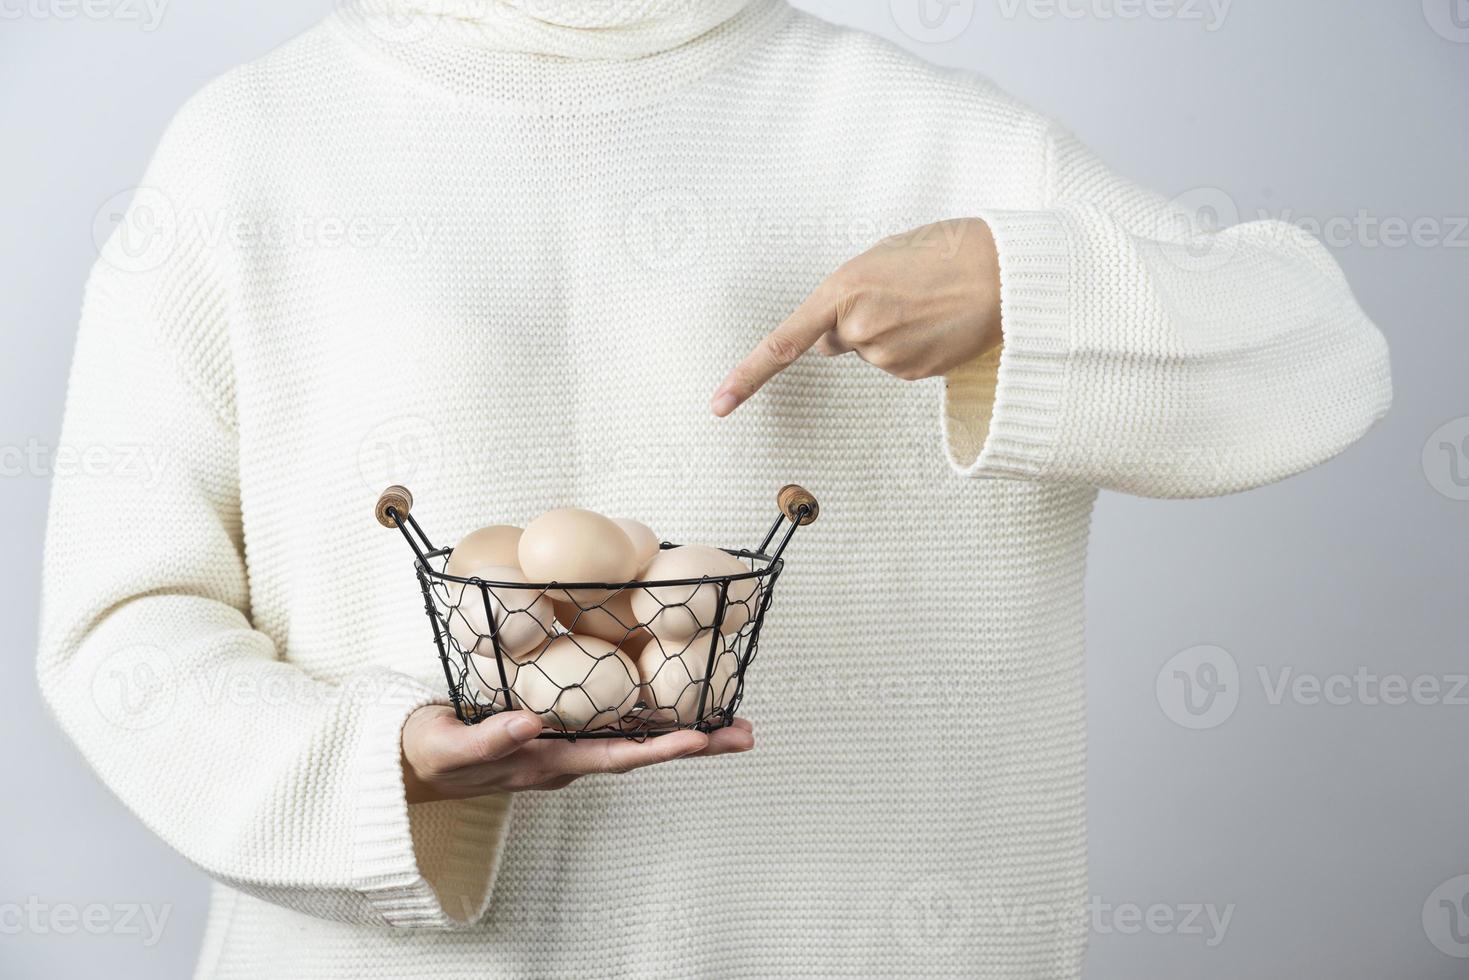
600,659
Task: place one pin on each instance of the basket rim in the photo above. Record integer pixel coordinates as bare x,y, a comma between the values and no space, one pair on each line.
772,567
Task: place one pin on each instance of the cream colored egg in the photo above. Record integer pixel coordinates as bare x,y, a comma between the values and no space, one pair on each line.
524,618
644,541
673,679
612,619
635,643
482,682
572,545
577,683
679,611
498,544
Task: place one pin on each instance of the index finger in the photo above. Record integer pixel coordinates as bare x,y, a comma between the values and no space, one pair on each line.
778,351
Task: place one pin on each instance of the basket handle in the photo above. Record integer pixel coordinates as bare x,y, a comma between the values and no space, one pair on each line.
397,499
797,504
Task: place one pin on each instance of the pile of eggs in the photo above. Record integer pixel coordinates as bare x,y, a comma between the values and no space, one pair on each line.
586,658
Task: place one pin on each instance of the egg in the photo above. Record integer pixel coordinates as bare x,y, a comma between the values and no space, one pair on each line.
482,681
524,618
635,643
673,679
612,619
644,541
577,683
498,544
675,612
572,545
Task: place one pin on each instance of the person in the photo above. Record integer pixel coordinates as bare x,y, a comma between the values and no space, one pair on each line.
526,254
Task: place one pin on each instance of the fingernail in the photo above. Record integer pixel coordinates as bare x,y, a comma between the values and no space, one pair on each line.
523,728
724,403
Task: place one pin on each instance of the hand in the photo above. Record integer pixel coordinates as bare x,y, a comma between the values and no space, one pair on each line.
917,305
444,759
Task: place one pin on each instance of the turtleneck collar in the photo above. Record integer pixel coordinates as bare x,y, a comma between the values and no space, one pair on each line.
558,55
581,30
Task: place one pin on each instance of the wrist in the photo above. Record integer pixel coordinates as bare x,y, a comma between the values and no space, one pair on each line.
984,255
416,790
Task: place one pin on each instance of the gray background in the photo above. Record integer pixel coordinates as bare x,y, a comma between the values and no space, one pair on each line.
1326,828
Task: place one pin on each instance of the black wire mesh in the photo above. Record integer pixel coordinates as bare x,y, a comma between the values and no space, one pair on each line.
633,660
600,660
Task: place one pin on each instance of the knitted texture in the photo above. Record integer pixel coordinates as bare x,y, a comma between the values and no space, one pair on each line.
577,28
412,247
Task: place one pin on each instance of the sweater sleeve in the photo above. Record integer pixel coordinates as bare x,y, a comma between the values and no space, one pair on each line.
274,782
1146,354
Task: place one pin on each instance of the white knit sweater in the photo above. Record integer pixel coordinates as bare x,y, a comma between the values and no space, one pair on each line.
504,253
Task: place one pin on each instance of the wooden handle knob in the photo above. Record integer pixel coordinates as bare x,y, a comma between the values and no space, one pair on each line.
395,497
797,504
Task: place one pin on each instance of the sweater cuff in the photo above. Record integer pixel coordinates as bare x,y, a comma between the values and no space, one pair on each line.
1002,411
456,838
458,845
